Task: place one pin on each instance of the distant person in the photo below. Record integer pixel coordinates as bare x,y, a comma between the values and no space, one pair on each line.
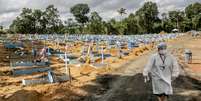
163,68
188,56
43,54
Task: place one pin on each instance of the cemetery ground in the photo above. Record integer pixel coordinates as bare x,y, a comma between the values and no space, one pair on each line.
121,80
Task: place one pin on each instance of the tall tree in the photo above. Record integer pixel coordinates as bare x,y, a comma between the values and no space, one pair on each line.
132,26
37,21
80,12
147,15
121,25
54,24
95,24
176,17
193,9
193,13
24,23
196,21
121,11
186,25
72,27
110,27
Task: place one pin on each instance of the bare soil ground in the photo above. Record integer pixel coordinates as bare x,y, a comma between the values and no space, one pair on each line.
121,81
129,85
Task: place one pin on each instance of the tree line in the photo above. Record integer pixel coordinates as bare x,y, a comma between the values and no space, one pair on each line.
145,20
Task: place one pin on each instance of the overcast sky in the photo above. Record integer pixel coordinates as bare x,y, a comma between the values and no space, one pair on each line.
10,9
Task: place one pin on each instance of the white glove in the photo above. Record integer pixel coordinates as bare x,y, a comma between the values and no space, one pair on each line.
146,79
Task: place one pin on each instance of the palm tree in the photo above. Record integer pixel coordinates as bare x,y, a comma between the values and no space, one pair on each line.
121,11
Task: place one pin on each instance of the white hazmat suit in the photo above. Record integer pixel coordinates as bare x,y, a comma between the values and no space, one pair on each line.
162,71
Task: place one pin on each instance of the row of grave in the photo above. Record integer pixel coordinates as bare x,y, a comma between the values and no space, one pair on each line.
131,40
51,77
61,54
28,67
146,38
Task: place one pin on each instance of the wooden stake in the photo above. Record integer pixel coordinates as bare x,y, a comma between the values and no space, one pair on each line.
68,72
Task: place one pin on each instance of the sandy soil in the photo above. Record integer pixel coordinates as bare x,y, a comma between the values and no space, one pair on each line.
120,81
129,86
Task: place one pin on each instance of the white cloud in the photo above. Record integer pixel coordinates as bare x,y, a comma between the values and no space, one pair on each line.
107,9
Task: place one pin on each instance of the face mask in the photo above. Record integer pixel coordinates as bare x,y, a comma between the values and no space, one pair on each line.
162,52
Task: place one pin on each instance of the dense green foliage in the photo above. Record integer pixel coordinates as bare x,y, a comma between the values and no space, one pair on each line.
37,21
145,20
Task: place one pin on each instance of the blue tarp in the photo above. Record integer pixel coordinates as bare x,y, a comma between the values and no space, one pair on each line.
30,71
12,45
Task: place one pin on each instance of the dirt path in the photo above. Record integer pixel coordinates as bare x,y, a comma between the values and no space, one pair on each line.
129,86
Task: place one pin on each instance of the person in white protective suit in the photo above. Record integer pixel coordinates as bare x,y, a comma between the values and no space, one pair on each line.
163,68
